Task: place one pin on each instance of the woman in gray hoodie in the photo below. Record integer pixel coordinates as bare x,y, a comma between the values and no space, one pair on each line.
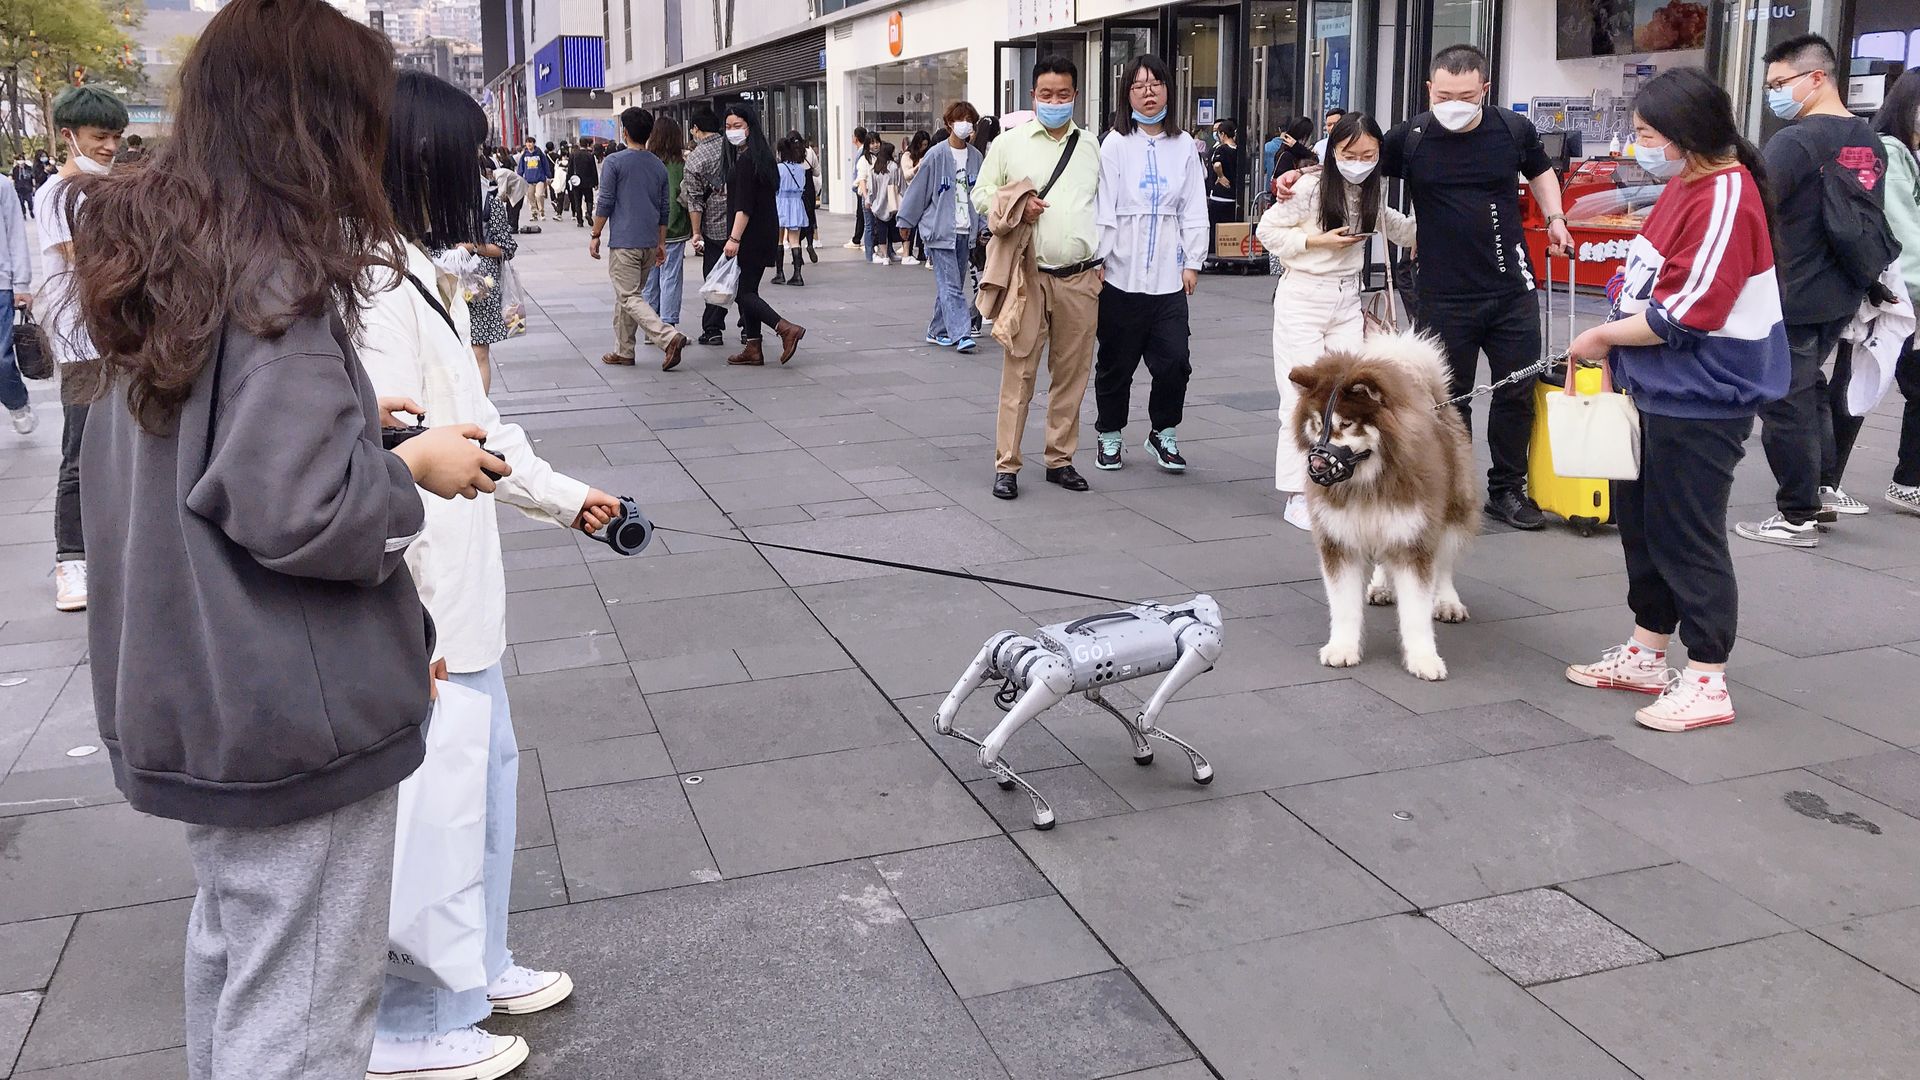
939,205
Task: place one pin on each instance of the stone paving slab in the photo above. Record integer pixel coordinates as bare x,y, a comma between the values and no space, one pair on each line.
1081,1029
1676,909
99,1005
1025,943
28,951
1541,935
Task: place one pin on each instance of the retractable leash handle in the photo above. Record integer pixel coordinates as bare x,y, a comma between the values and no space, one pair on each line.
629,532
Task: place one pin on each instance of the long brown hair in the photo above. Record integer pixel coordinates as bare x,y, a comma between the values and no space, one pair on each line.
668,142
265,207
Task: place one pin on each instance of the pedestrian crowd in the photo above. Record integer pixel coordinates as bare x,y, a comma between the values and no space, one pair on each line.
336,244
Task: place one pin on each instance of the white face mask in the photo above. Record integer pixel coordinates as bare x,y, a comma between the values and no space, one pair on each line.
1456,115
86,164
737,136
963,130
1356,171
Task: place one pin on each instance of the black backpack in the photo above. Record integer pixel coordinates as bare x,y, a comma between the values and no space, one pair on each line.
1862,243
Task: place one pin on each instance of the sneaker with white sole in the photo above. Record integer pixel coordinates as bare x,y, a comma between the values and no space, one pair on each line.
70,585
1778,530
908,260
852,245
1904,497
1165,450
881,260
1836,501
1624,667
519,991
466,1053
1108,455
1297,514
24,420
1692,699
965,345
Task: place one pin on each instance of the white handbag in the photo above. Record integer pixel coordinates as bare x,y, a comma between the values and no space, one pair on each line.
437,924
1594,436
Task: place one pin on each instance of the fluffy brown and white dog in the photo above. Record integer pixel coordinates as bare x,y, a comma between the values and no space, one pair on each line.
1393,487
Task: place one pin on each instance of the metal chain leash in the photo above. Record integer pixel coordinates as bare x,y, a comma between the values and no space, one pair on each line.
1528,372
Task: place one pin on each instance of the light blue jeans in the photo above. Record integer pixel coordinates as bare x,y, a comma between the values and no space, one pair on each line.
13,390
950,318
411,1010
879,234
663,287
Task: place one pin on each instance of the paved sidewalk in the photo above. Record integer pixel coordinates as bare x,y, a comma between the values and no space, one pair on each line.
743,839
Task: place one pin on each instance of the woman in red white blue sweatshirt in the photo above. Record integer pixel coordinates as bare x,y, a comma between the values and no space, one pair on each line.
1700,346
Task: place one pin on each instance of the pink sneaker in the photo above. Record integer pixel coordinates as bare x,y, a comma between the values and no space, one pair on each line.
1692,699
1624,667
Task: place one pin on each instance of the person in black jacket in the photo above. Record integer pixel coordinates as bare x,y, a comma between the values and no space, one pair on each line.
755,235
583,177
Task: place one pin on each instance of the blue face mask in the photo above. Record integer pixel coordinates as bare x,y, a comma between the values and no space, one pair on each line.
1054,114
1142,118
1782,103
1659,162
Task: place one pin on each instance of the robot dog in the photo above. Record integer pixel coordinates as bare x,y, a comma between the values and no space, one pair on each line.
1086,656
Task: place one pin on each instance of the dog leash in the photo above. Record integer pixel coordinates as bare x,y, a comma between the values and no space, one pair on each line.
1528,372
914,567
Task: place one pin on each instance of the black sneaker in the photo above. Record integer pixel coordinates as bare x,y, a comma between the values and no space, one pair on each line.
1108,457
1067,477
713,339
1515,510
1165,451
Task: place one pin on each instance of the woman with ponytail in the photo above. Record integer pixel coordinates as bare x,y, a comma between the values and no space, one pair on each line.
1701,345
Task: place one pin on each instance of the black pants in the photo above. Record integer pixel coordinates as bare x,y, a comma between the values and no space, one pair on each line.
582,202
513,213
1673,525
1507,329
859,219
68,543
1906,465
754,311
811,197
1797,431
26,200
1136,326
713,320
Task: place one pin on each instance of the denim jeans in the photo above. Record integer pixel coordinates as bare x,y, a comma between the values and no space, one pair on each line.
415,1010
879,231
663,288
950,320
13,389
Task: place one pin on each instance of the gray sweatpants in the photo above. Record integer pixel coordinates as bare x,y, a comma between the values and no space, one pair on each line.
287,945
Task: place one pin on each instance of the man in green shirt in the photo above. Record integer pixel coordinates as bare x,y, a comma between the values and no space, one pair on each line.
1065,243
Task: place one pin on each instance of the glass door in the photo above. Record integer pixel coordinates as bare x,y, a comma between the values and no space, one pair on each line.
1124,42
1274,35
1204,65
1333,56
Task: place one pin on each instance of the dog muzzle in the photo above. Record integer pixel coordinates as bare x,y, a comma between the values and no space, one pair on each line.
1328,464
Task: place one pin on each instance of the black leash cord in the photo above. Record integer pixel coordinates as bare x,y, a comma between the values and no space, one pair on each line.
937,571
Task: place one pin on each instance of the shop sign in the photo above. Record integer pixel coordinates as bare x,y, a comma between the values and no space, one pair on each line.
733,76
673,88
1037,16
694,80
894,42
1605,250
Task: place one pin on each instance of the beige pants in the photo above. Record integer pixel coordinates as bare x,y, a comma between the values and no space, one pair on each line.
537,196
1071,307
1311,314
629,267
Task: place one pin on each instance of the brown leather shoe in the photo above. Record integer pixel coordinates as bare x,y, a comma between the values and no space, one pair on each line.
790,335
674,349
748,356
613,359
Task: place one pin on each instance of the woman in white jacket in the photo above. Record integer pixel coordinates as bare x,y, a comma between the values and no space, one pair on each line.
413,344
1319,237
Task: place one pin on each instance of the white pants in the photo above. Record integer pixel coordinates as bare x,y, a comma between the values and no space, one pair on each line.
1311,314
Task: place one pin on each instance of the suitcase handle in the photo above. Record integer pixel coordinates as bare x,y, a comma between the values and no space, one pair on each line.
1548,313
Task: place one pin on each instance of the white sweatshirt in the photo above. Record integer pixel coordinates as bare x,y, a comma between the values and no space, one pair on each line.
1151,211
1285,227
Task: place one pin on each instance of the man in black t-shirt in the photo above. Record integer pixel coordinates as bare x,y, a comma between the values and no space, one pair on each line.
1475,291
1817,299
1224,165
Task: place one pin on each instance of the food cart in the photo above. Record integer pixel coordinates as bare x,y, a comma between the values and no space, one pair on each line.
1607,201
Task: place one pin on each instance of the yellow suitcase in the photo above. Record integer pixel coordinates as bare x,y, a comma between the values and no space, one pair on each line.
1585,504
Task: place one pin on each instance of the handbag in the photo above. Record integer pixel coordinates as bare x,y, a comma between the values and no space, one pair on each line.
1381,311
513,300
437,921
1593,436
30,353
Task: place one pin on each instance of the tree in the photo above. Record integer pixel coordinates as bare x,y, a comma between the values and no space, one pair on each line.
49,44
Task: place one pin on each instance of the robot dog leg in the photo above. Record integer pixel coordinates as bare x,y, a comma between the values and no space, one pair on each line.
1039,678
1199,643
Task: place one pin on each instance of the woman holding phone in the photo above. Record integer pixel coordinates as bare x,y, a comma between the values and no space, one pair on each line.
1319,238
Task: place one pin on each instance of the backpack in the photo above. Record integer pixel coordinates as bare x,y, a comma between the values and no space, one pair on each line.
1861,241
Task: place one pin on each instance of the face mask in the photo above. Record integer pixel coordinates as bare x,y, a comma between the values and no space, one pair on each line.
737,136
1053,114
87,164
963,130
1356,171
1782,103
1456,115
1658,162
1142,118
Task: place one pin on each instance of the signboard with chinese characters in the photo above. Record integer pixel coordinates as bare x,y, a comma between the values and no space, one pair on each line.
1026,17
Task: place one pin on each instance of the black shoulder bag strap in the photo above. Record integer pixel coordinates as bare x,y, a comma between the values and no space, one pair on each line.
435,301
1060,166
213,393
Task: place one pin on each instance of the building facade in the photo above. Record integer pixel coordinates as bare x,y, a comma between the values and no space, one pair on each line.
458,62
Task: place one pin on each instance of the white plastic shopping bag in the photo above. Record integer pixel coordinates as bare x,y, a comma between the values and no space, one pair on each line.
436,927
513,300
1594,436
720,285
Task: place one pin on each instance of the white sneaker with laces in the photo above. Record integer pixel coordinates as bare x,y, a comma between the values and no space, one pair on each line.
1297,515
1836,500
908,260
519,991
1692,699
1903,497
466,1053
70,585
24,420
1632,666
1778,530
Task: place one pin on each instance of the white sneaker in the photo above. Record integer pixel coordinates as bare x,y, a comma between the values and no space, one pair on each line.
70,585
1692,699
1778,530
1903,497
1297,515
519,991
1624,667
464,1054
24,421
852,245
908,260
879,260
1836,501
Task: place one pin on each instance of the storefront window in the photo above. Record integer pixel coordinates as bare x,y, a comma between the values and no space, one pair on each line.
1204,63
895,100
1124,42
1743,32
1274,35
1463,22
